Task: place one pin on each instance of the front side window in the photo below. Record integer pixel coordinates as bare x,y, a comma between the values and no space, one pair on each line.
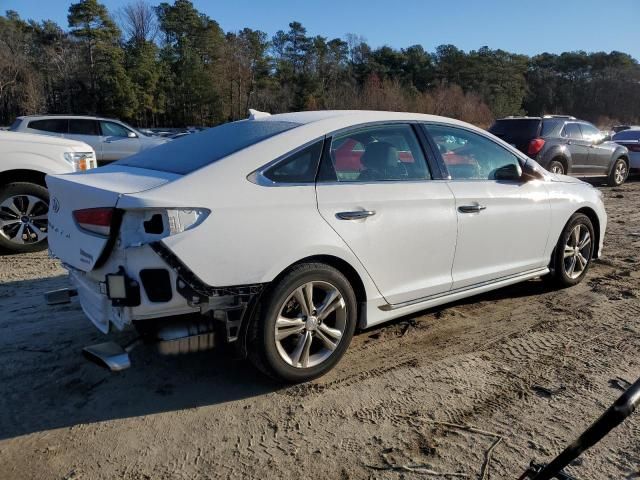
110,129
470,156
590,132
380,153
301,167
55,125
572,130
83,127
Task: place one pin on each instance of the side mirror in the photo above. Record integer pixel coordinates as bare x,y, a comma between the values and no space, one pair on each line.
508,172
132,135
532,171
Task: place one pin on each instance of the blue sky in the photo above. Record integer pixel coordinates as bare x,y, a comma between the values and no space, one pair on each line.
519,26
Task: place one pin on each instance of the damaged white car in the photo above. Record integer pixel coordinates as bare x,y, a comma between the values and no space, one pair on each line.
283,234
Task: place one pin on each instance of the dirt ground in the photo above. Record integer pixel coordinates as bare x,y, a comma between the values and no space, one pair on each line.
529,366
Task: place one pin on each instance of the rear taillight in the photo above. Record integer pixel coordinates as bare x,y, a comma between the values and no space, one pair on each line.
633,148
95,220
535,146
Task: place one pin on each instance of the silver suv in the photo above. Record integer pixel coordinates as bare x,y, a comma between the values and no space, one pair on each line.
111,139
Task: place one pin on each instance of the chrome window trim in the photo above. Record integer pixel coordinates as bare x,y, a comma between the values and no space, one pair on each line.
258,177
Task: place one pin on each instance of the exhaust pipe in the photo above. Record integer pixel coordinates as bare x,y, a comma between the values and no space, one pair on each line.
61,296
110,355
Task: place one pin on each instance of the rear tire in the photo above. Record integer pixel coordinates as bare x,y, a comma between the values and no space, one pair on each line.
23,217
619,173
557,167
573,253
295,340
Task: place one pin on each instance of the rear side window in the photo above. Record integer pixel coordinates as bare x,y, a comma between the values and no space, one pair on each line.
572,130
200,149
56,125
301,167
83,127
374,154
549,126
516,130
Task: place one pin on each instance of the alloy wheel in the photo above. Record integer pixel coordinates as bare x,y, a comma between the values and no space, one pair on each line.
577,251
23,219
620,174
311,323
557,169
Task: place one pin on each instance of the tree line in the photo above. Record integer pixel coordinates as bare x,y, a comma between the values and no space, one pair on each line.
171,65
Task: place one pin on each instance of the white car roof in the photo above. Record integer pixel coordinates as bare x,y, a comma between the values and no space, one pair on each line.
355,117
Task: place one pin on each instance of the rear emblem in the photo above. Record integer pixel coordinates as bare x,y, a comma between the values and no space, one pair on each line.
55,205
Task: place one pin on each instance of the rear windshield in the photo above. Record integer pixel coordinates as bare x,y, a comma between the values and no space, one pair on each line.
512,130
195,151
627,135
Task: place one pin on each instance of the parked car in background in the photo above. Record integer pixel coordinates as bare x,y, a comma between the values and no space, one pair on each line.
631,140
566,145
25,159
111,139
621,128
284,233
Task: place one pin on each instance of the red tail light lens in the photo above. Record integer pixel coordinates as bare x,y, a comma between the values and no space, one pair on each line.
535,146
95,220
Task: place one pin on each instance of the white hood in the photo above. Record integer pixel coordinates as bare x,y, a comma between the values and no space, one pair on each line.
30,139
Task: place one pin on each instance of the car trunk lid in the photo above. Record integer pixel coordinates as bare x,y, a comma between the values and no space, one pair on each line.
99,188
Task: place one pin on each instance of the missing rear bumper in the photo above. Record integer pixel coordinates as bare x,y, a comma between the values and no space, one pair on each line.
230,306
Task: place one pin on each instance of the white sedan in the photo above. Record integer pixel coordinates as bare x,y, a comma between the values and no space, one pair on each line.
283,234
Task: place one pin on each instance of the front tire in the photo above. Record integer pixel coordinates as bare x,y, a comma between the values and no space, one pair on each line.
619,173
23,217
574,252
304,324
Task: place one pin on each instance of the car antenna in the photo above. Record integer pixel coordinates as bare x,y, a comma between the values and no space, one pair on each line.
255,114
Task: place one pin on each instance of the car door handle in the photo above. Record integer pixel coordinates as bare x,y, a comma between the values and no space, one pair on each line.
355,215
471,208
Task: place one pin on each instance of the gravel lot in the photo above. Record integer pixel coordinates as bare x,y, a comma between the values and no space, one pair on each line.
530,366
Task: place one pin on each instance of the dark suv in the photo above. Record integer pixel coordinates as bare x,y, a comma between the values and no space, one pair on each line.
566,145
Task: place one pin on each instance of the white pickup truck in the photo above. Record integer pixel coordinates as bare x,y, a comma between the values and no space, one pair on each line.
25,159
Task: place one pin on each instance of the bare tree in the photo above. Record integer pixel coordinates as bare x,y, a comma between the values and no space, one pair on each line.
139,22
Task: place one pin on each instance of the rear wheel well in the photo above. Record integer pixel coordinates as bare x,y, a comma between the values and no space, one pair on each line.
596,227
248,327
622,157
343,267
29,176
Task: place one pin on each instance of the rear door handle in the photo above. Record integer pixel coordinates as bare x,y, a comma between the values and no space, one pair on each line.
471,208
355,215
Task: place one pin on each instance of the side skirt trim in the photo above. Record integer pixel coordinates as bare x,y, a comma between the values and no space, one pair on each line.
469,291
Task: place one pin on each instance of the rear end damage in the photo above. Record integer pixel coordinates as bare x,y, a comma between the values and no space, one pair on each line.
126,277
